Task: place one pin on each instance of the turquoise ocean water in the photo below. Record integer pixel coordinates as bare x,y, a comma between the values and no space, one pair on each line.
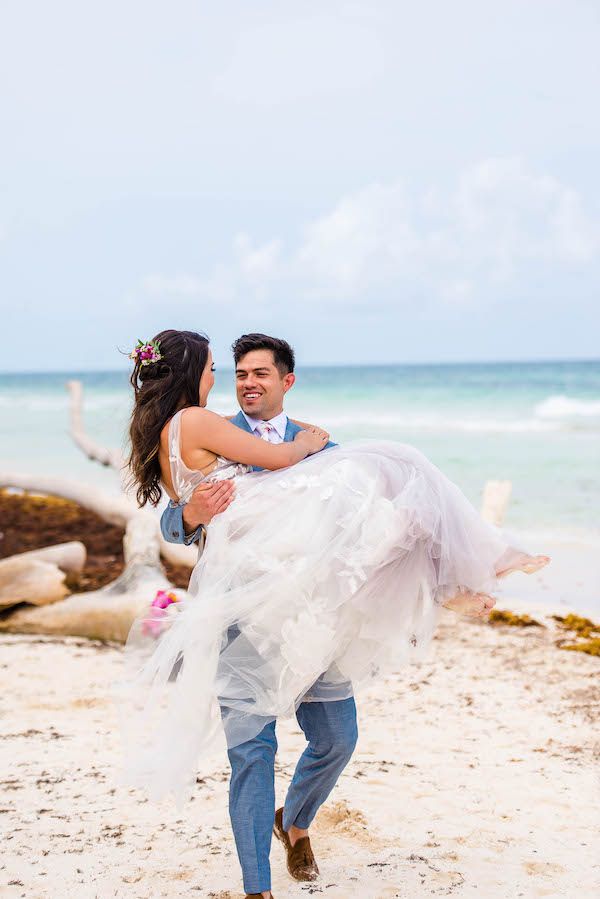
536,424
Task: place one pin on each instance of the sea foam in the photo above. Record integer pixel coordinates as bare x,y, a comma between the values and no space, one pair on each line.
564,407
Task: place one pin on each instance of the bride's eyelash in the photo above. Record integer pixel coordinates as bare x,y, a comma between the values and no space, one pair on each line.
212,368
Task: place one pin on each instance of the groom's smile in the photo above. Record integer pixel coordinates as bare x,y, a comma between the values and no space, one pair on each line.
261,385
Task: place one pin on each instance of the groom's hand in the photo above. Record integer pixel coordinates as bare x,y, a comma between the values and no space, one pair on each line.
207,501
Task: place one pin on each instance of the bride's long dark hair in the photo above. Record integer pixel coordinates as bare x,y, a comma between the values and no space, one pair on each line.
162,388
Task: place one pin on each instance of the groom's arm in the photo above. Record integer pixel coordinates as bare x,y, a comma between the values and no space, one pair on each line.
173,528
187,524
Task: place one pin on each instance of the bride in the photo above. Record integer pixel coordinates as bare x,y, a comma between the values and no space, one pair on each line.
334,562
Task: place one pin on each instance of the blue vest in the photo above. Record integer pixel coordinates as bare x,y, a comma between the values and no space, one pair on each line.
290,432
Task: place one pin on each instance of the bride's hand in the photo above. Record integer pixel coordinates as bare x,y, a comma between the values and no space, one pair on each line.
312,439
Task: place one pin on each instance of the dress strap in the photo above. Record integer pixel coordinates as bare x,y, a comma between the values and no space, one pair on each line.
175,462
184,479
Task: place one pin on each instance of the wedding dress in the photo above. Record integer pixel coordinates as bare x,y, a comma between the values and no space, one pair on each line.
334,568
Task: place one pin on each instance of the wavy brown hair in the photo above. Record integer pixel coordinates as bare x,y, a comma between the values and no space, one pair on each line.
161,389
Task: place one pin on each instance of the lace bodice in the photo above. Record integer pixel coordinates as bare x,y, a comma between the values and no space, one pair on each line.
185,480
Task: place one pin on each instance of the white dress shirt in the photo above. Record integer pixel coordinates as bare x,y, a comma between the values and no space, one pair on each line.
278,424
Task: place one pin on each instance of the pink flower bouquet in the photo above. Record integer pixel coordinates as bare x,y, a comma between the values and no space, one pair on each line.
155,623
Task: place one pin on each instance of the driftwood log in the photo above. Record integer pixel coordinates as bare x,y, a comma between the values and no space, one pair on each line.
496,496
69,557
38,576
30,580
94,451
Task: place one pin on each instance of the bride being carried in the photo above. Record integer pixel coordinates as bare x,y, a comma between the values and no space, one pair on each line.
329,567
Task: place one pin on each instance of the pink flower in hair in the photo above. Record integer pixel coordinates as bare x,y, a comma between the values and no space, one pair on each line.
146,352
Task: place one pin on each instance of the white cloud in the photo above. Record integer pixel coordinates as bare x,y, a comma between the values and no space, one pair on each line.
510,215
220,286
361,244
257,264
453,246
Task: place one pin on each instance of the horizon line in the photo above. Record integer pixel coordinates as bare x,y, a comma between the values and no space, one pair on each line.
333,365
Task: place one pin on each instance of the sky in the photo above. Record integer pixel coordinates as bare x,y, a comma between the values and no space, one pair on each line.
378,182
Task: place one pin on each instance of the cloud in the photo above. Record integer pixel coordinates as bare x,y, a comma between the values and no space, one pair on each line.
510,215
257,265
366,240
252,268
220,286
498,223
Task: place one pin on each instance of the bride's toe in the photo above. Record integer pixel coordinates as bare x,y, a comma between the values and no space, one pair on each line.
536,563
525,563
475,605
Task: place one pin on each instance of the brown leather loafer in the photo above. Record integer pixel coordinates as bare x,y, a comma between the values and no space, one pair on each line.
300,859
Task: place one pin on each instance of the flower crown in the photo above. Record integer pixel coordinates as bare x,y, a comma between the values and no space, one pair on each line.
146,352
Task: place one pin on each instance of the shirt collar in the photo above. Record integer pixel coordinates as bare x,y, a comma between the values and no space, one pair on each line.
279,423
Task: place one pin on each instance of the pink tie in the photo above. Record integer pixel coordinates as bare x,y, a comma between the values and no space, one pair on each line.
265,430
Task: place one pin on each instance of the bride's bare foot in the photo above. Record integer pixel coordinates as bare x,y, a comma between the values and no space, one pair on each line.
475,605
526,563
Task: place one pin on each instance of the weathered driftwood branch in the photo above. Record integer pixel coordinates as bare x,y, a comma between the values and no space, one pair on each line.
30,580
38,576
69,557
496,496
94,451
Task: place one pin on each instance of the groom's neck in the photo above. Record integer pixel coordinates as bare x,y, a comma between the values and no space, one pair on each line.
266,414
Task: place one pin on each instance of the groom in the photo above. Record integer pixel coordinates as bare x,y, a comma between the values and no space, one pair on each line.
264,371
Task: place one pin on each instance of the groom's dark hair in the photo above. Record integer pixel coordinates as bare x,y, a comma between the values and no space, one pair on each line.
283,354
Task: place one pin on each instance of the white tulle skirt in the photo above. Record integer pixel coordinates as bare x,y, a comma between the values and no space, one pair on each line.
332,572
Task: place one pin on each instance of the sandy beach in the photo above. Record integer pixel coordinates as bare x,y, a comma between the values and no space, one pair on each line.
476,774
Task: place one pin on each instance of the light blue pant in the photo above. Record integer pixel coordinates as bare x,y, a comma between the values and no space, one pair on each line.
331,731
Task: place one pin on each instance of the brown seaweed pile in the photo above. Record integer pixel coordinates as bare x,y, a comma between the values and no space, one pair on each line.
580,634
512,619
583,631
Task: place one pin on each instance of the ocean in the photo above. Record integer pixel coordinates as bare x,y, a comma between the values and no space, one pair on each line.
535,424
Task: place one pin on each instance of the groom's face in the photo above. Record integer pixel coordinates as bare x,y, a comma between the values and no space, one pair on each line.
260,385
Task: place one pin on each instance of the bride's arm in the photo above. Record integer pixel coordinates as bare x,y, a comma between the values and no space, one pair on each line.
204,430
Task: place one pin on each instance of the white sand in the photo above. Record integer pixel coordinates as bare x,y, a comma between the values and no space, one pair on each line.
476,774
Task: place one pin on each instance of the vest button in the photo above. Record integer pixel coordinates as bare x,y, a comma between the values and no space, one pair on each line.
176,534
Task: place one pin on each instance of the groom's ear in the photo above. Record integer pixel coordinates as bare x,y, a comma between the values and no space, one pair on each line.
288,381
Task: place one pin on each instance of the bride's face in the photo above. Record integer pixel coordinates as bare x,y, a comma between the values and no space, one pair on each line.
207,380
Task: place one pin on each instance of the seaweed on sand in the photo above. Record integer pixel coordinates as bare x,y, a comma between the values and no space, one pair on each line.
585,633
498,616
591,647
